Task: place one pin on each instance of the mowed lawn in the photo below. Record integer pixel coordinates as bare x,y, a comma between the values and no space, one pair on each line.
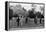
29,24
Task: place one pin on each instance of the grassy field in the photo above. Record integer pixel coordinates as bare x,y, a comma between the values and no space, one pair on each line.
29,24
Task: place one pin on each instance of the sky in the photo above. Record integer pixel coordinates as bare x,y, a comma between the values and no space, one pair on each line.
28,6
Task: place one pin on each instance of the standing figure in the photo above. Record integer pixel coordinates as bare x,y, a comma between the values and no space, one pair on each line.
26,20
35,20
40,20
18,21
21,21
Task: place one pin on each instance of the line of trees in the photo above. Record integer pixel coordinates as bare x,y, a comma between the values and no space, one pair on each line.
30,13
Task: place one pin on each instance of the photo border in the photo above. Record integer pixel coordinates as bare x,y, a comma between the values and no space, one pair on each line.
7,10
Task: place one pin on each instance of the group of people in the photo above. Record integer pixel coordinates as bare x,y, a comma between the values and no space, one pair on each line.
21,20
40,20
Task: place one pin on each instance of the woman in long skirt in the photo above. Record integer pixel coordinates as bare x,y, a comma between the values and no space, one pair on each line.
21,21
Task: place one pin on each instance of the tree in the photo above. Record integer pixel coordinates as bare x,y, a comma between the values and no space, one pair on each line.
10,13
31,14
38,14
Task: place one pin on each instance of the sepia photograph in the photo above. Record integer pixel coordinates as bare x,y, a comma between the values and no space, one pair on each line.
24,15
